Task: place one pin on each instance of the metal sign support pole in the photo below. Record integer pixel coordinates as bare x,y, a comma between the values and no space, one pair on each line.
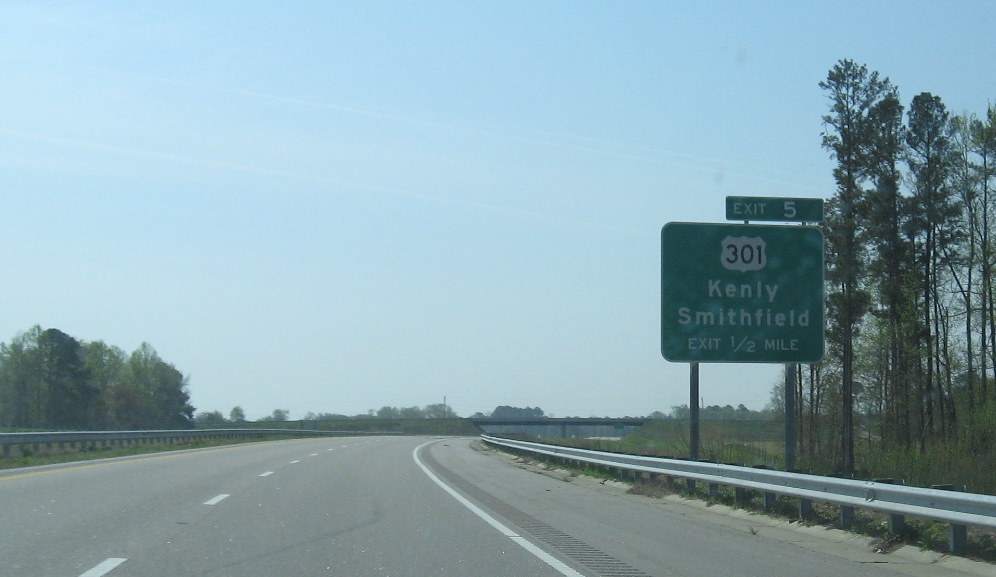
693,412
790,411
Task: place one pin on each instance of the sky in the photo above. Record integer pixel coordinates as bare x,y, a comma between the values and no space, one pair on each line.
338,206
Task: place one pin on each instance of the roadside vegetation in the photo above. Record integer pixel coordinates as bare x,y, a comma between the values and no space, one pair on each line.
911,307
49,380
752,443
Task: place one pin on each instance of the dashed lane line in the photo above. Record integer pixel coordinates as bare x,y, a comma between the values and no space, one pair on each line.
216,499
105,567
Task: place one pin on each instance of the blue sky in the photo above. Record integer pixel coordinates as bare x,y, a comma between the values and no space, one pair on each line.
335,206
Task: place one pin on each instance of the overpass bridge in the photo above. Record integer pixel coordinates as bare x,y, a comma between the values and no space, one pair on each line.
564,428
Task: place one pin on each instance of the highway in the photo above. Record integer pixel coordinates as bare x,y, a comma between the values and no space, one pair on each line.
392,506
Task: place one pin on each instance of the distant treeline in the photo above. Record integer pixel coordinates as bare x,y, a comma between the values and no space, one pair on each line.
50,380
507,412
237,415
721,413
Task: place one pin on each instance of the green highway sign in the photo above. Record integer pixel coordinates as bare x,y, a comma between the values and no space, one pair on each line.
768,208
741,293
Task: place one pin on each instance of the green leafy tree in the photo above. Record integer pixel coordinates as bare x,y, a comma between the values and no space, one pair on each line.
508,412
412,413
887,214
438,411
278,415
934,228
386,412
237,415
983,137
966,184
22,391
210,418
105,367
163,391
854,93
69,394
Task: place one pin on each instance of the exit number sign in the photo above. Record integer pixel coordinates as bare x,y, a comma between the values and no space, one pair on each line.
767,208
741,293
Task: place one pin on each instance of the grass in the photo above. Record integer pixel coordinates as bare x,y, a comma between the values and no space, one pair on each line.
753,443
742,442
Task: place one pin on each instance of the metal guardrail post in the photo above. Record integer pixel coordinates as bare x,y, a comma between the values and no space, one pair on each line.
805,508
740,495
847,513
897,522
805,505
846,517
769,497
957,533
714,489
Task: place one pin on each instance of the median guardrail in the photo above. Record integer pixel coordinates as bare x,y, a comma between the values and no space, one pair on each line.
957,508
110,438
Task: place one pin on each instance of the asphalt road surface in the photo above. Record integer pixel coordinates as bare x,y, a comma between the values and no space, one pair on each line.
393,506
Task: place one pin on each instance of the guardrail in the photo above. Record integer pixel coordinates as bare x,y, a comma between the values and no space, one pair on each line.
942,504
111,438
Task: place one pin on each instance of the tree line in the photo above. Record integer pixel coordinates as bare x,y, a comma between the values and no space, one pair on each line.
910,252
237,415
718,413
50,380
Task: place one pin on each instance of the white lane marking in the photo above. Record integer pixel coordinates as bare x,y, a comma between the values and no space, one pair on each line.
521,541
297,461
330,450
266,474
313,455
217,499
104,567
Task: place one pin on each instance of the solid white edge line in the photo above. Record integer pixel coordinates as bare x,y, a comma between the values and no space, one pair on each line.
216,499
542,555
104,567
